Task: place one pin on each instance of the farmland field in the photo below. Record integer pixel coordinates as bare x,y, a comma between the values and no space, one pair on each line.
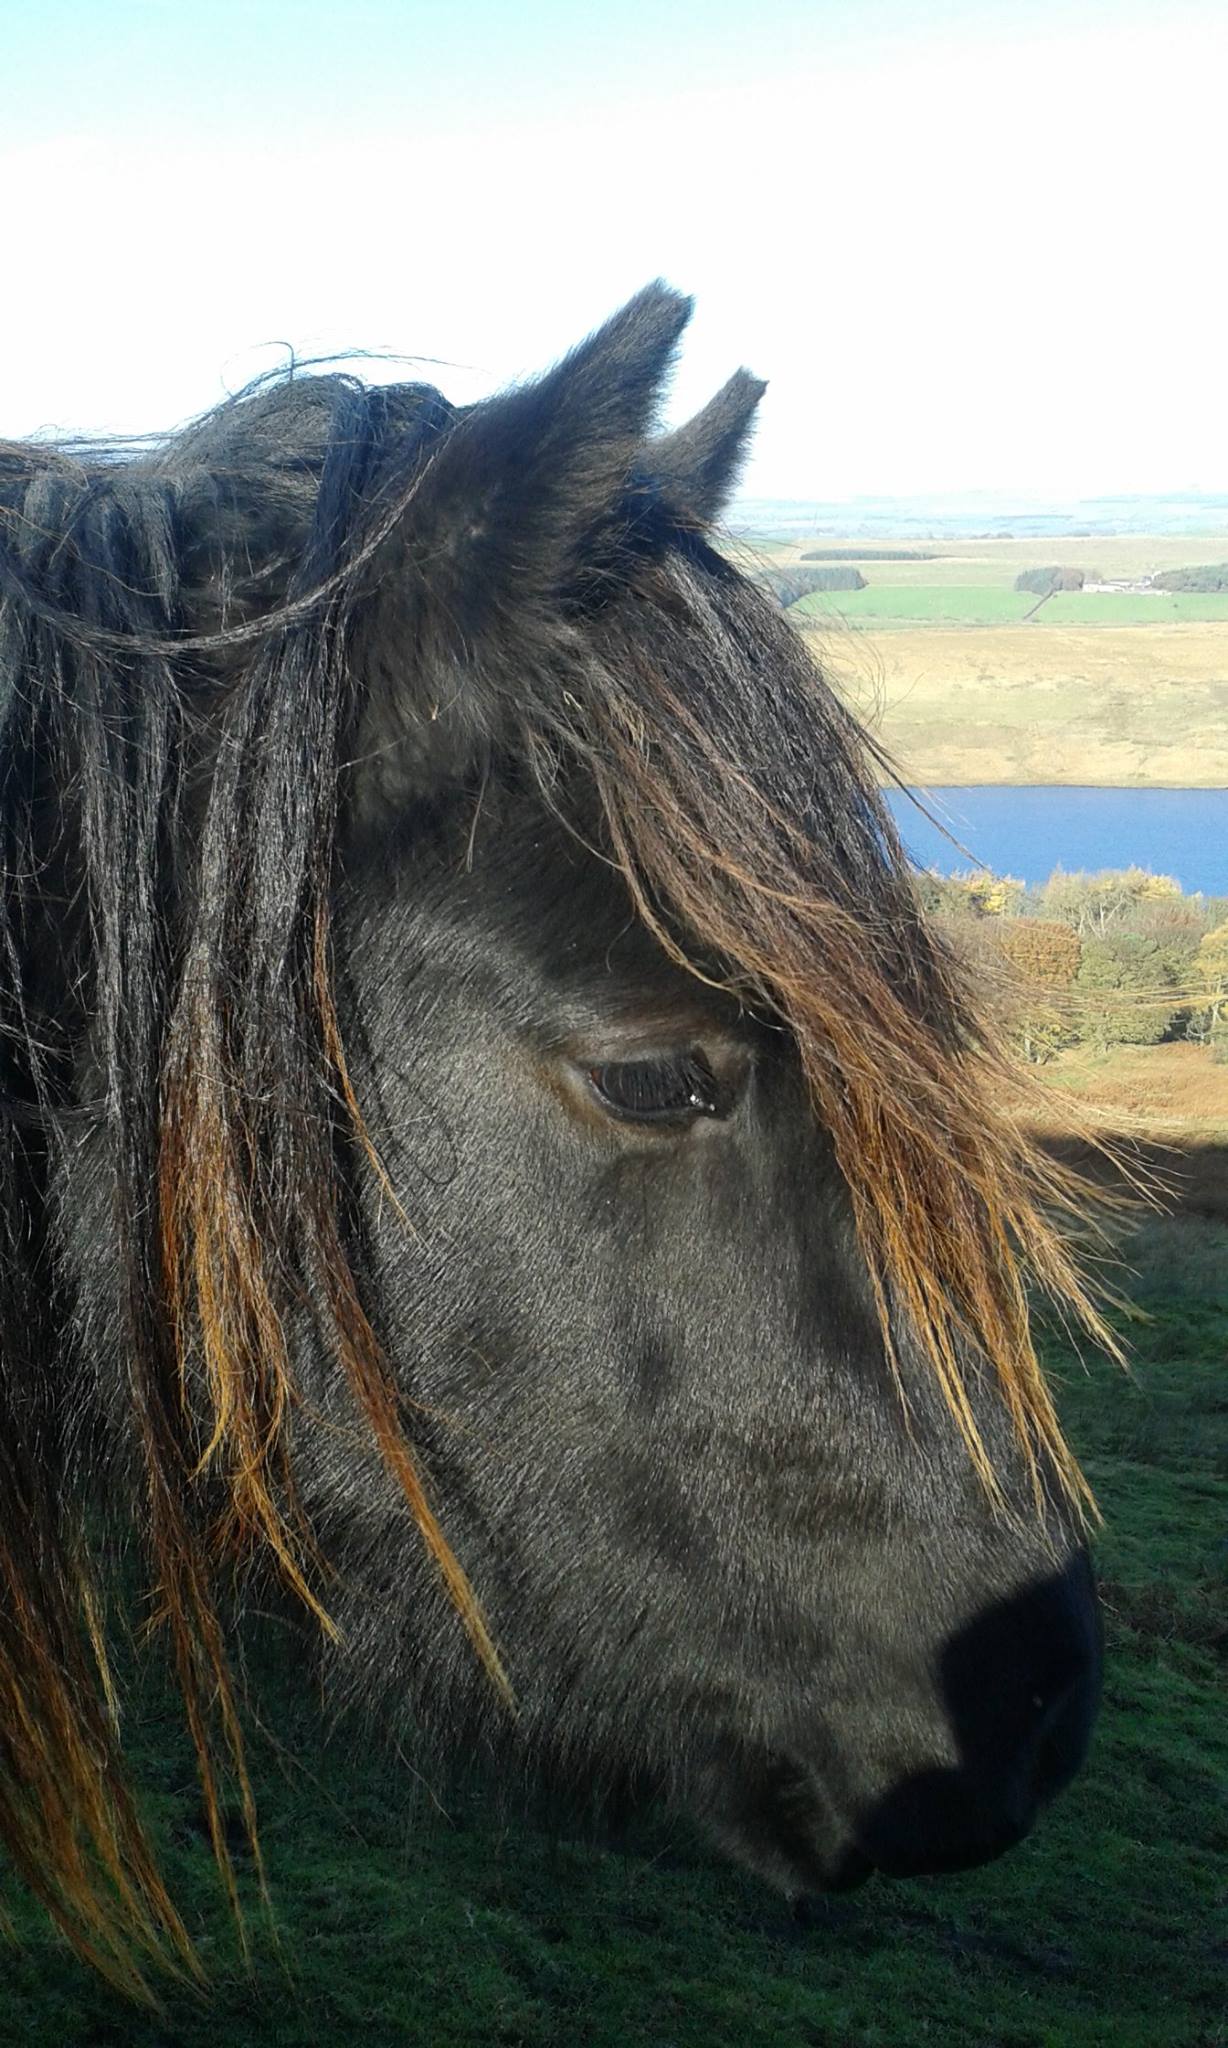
987,605
1121,688
1130,608
997,562
424,1917
885,604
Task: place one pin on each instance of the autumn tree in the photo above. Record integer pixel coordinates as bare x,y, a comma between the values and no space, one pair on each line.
1177,924
1042,957
982,894
1211,974
1111,900
1042,951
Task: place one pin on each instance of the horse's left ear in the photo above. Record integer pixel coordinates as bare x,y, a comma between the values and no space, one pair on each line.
699,464
504,513
509,521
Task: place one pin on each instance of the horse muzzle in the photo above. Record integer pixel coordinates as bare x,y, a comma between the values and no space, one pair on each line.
949,1774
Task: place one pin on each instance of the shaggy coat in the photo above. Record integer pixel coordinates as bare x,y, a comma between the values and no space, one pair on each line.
493,1150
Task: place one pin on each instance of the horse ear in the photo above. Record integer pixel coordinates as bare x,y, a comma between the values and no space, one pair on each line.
698,465
508,515
506,509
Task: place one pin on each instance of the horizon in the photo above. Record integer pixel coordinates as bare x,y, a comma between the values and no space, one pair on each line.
954,518
967,245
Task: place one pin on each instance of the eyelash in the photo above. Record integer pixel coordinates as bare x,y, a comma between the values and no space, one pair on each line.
675,1090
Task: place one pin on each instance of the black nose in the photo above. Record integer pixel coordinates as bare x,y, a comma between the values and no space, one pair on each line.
1021,1686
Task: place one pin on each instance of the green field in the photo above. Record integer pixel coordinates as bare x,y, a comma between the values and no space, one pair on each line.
985,605
968,563
909,604
1107,1930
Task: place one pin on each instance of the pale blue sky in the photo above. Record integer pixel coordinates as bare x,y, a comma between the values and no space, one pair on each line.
971,246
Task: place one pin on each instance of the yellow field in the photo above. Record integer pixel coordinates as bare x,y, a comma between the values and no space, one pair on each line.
1119,706
1175,1091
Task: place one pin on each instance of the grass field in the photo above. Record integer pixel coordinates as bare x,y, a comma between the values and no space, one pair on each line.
989,605
1109,1929
886,604
1176,1090
1105,1931
998,562
1117,688
1120,706
1129,608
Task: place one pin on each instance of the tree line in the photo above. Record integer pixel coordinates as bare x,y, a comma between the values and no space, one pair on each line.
1122,957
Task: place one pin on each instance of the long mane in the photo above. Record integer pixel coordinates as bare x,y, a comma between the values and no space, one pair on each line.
180,708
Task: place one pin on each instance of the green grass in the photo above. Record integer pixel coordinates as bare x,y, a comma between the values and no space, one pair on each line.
1107,1930
908,604
974,604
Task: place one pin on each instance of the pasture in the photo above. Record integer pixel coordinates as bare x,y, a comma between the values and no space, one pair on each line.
939,656
989,605
410,1910
910,603
930,564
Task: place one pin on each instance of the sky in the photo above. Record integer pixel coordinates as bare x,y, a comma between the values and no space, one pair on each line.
971,246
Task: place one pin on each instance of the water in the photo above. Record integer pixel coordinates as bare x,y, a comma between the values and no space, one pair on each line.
1029,832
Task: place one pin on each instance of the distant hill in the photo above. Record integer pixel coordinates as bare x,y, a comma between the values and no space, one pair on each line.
978,515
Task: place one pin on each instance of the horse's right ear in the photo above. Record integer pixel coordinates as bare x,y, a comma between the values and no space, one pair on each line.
507,516
697,466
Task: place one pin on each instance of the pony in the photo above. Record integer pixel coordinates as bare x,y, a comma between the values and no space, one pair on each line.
494,1156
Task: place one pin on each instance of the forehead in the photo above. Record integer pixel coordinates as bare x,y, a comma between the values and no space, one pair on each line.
507,906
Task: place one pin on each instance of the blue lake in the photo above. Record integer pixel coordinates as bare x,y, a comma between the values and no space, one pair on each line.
1029,832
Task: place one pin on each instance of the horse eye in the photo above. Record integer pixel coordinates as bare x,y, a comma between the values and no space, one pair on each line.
658,1091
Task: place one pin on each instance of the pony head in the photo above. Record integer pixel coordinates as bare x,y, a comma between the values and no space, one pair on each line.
494,1152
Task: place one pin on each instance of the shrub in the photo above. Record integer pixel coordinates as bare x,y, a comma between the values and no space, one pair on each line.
788,585
869,555
1042,957
1177,926
1210,967
971,896
1043,953
1108,901
1110,970
1040,1030
1043,582
1211,576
